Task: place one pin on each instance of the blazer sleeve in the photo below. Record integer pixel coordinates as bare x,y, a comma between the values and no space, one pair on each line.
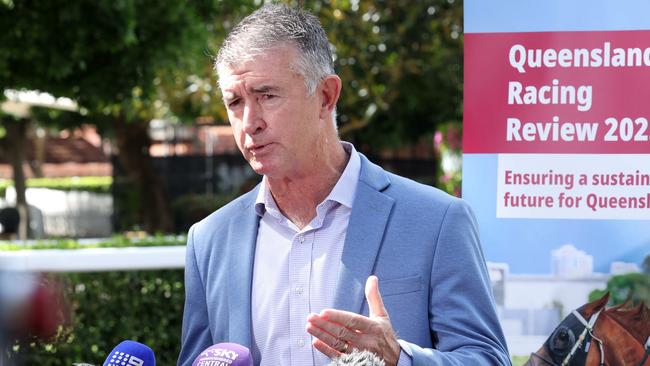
196,333
462,315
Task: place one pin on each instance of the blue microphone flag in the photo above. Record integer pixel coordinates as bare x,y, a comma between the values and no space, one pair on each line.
130,353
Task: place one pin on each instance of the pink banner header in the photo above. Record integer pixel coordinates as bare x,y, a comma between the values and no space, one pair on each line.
557,92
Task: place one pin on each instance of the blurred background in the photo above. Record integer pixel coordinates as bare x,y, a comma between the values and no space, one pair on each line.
114,140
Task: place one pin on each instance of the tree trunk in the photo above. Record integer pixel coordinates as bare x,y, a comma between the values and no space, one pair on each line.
133,143
16,139
39,139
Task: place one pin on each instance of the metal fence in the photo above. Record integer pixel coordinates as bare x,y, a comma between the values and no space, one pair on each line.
224,175
66,213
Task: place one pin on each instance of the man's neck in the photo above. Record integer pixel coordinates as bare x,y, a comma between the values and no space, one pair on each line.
297,196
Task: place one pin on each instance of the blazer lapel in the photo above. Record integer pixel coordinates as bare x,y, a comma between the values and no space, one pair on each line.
241,253
368,220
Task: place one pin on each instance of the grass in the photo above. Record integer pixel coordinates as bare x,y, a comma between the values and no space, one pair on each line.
91,184
519,360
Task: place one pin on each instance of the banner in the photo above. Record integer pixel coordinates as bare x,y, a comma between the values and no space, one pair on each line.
556,150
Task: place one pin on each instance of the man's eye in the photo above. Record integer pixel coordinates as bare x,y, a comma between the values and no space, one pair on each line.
268,96
233,103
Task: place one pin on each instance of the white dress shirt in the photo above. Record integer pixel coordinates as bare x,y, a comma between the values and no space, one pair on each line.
295,271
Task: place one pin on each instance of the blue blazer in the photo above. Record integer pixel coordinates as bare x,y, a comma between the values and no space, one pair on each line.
422,244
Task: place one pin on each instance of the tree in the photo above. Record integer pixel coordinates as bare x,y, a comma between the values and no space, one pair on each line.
106,56
401,66
13,147
634,286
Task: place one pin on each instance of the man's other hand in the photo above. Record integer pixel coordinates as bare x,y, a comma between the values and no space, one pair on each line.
338,331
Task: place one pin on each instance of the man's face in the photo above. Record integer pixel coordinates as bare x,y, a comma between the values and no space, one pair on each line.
274,121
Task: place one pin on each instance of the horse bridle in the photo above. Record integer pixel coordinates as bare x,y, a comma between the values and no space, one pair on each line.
588,332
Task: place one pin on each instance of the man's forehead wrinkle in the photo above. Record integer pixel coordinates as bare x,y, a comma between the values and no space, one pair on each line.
250,85
265,88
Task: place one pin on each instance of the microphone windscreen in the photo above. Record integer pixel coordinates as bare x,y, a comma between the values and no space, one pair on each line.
224,354
130,353
358,358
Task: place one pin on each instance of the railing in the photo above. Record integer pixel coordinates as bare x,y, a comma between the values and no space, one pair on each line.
93,259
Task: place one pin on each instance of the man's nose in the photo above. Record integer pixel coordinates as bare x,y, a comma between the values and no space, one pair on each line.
253,120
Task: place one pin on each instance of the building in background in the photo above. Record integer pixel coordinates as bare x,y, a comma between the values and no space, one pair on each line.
568,261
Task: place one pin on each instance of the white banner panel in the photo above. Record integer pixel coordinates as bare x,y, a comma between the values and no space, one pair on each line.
574,186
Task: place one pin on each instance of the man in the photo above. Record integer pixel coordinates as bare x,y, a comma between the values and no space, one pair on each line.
282,269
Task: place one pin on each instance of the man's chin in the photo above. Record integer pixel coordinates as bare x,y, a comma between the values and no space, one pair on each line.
260,168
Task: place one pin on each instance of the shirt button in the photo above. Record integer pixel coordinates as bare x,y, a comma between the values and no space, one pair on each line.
298,290
301,343
301,238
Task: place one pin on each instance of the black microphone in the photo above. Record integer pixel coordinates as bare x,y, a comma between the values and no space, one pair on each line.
224,354
358,358
130,353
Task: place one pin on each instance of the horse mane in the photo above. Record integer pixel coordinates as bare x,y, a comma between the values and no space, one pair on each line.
587,310
636,319
627,304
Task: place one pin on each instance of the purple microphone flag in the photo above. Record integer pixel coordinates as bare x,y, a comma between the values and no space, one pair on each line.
224,354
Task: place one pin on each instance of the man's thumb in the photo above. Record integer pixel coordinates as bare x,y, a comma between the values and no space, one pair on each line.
375,303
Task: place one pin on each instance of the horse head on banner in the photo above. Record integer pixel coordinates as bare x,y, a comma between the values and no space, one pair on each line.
594,335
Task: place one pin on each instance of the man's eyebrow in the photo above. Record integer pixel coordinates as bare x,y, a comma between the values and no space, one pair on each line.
265,89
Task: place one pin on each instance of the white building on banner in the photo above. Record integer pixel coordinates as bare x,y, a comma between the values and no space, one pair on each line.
569,261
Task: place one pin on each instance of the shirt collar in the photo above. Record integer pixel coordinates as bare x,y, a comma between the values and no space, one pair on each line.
343,192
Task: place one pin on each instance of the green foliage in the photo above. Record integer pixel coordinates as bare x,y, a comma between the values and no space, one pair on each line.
108,56
129,61
57,119
192,208
447,144
117,241
634,286
97,52
89,184
4,184
401,66
109,307
519,360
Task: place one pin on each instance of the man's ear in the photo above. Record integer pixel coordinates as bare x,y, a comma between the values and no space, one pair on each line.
330,90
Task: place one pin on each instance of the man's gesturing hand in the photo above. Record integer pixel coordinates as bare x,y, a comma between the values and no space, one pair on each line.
339,331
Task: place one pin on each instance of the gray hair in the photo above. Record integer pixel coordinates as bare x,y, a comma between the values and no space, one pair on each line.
276,24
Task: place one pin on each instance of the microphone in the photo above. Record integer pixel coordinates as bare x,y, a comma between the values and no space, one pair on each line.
224,354
130,353
358,358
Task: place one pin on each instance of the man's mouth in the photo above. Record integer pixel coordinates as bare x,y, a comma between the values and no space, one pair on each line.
259,148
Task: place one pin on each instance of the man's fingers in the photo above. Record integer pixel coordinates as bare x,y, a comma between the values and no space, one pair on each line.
338,332
326,342
324,335
325,349
344,318
375,303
